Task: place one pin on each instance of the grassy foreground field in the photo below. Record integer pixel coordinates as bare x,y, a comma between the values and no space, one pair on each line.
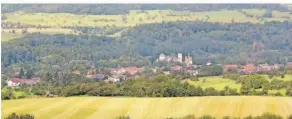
146,108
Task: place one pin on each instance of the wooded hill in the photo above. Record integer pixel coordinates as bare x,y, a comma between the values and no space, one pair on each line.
228,43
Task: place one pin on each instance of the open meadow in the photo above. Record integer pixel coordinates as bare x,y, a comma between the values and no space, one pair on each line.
218,82
146,108
135,17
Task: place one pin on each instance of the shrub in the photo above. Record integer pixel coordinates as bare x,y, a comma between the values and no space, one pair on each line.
206,117
278,94
269,116
16,116
22,96
290,116
39,92
210,92
248,117
226,117
194,78
189,117
123,117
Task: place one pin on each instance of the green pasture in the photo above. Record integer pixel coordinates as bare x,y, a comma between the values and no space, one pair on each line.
137,17
218,82
133,18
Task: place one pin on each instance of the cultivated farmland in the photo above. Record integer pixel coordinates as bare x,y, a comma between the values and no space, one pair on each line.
146,108
137,17
57,21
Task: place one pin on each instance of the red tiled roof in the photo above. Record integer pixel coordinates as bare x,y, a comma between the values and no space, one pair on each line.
90,72
230,66
176,68
132,70
249,67
25,81
76,72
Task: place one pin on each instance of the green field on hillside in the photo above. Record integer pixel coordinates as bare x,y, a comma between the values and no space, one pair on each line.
147,108
255,12
136,17
133,18
8,35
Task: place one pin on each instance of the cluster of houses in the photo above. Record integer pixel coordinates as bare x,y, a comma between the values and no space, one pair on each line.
19,81
251,68
177,64
114,74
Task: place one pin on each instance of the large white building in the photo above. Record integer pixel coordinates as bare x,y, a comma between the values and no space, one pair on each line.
188,59
12,83
179,57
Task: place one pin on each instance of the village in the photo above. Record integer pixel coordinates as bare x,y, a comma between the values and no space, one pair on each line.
179,64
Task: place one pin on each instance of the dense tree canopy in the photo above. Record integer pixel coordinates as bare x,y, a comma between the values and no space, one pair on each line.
222,43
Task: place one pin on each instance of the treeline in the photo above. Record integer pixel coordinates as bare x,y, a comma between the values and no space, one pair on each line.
164,86
19,116
219,43
125,8
251,83
262,116
157,86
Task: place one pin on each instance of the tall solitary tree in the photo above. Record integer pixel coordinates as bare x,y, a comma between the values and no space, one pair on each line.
21,73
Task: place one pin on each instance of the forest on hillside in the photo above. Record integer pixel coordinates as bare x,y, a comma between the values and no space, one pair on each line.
125,8
139,46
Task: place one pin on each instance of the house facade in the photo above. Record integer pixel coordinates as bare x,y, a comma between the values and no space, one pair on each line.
229,66
18,81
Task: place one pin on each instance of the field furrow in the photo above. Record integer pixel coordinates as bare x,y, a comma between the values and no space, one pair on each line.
147,108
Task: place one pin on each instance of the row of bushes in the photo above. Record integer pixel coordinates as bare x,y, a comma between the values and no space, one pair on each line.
10,93
263,116
158,86
19,116
164,86
252,82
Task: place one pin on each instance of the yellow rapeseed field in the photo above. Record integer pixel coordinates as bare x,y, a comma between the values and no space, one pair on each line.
146,108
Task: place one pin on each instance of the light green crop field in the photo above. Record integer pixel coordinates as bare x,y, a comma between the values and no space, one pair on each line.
136,17
8,35
133,18
255,12
286,78
147,108
216,82
219,83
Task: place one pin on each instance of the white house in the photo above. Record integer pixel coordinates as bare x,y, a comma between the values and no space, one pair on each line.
112,79
208,63
12,83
